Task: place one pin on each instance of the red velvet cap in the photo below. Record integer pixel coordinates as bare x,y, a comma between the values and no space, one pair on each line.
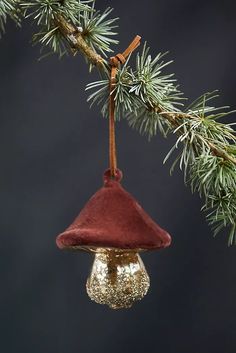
112,218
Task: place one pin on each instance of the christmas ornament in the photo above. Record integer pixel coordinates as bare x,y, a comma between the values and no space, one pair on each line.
114,227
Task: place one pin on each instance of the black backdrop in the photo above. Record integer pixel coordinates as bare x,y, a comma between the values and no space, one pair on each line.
53,153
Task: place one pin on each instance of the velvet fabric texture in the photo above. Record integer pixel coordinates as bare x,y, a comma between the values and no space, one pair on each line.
112,218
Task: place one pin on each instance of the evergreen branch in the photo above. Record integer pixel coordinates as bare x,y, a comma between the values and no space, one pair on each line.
8,8
140,91
45,11
215,180
72,34
58,21
97,30
71,26
207,159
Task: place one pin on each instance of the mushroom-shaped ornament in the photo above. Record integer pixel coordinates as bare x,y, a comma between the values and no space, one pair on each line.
115,228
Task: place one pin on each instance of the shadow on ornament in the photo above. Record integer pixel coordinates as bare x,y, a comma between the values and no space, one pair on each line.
115,227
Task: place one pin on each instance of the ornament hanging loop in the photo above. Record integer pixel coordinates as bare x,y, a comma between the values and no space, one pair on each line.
115,61
107,176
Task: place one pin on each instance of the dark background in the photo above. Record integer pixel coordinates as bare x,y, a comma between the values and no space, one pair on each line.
53,153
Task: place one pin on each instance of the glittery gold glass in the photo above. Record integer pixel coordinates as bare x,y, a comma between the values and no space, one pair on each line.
118,278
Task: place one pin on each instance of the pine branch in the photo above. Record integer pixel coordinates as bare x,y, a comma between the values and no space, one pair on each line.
214,179
8,8
74,35
97,30
68,26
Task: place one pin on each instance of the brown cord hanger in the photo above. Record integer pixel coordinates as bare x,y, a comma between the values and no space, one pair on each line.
115,61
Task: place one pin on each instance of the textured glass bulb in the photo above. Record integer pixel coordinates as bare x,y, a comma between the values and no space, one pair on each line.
118,278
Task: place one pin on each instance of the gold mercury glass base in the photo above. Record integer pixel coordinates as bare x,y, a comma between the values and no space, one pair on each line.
118,278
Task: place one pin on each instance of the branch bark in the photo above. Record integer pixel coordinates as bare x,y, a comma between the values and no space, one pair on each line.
72,33
221,153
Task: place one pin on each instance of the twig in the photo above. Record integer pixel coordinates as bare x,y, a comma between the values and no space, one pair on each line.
217,151
72,33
